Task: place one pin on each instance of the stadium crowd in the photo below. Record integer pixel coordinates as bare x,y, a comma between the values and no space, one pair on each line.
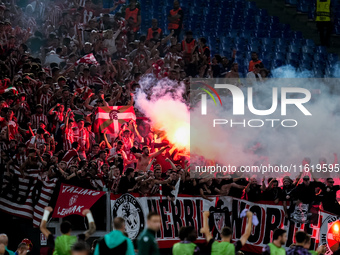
51,87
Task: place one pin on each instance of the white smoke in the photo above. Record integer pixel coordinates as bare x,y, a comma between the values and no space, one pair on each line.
315,137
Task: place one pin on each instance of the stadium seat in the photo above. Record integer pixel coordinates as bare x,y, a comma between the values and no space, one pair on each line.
317,73
268,41
254,47
332,58
310,43
302,7
305,66
292,63
280,56
277,63
294,49
321,50
306,57
292,56
319,58
307,49
291,2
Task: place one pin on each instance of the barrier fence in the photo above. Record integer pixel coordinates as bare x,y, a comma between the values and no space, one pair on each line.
187,210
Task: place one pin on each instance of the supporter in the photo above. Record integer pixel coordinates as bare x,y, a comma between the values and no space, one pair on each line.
254,75
145,157
170,186
305,192
233,73
272,191
128,182
22,249
116,241
254,61
328,197
287,187
253,191
203,51
227,63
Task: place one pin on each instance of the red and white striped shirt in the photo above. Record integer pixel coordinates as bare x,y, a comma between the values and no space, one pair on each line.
23,109
67,139
44,100
83,82
20,159
35,142
3,148
36,118
83,136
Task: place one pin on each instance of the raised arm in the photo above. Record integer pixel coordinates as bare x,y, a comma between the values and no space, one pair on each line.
205,230
87,102
134,126
105,139
155,154
51,111
263,186
164,40
247,233
171,163
92,225
150,164
43,224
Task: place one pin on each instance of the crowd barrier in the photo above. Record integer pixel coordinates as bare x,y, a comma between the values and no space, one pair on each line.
188,210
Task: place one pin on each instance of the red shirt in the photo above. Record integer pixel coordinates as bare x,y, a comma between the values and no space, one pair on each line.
252,64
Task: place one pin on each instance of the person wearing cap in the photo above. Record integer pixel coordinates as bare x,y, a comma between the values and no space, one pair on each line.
287,187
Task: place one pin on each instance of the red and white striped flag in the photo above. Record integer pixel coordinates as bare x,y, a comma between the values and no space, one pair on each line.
88,59
112,117
26,196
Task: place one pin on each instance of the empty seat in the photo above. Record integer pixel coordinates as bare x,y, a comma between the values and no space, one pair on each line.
292,56
307,49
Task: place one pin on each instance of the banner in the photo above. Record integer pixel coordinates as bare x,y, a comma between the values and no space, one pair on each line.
112,117
330,232
224,211
74,200
26,196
